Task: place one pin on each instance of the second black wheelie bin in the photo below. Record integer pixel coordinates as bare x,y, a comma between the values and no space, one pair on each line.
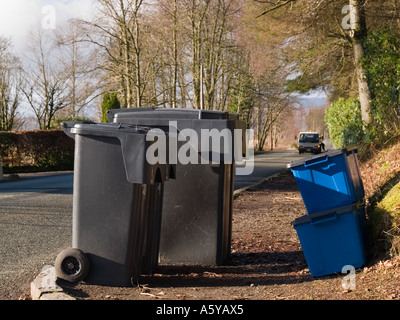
117,202
197,206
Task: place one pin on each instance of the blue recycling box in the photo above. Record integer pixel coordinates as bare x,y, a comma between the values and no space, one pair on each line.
329,180
332,239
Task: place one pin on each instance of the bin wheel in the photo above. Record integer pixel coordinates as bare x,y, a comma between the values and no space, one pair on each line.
72,265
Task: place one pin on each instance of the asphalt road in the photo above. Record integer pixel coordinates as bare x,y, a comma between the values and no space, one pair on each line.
266,165
272,162
36,220
35,224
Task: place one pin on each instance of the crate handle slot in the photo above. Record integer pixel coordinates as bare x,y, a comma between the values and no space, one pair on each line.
325,218
313,162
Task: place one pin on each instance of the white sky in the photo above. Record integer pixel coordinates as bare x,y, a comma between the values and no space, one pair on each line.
18,17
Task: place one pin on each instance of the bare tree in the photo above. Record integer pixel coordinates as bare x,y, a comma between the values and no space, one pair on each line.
10,79
315,119
117,32
271,101
167,17
44,82
196,13
83,79
210,30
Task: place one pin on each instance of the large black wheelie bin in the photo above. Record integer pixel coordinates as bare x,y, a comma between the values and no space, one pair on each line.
197,206
117,202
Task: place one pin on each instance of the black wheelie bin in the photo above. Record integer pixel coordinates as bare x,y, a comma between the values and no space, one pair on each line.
197,207
117,203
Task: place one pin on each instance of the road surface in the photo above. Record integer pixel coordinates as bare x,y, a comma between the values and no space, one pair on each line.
273,162
267,164
36,220
35,224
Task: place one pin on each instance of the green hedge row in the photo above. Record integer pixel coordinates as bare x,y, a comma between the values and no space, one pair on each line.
39,150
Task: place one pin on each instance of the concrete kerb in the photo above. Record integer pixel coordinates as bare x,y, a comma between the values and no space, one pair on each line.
238,191
45,286
23,176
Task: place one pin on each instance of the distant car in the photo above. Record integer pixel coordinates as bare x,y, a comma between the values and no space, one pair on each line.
310,142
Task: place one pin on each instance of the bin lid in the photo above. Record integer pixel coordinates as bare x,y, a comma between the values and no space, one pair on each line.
167,113
68,125
330,153
326,213
185,118
107,129
134,144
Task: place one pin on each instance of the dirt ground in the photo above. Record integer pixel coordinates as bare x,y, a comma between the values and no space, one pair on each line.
266,263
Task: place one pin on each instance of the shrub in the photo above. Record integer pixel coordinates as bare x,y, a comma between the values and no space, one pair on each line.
110,101
382,64
39,149
344,122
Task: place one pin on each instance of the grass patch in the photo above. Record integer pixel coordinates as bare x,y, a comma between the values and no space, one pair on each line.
384,222
380,170
389,208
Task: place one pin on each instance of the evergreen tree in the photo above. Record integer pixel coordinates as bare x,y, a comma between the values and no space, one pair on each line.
110,101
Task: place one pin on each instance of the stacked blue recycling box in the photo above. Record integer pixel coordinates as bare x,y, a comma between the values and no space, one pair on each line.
333,232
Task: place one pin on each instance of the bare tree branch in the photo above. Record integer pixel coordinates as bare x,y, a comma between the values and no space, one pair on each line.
276,6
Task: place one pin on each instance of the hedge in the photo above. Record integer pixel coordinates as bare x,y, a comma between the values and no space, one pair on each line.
39,150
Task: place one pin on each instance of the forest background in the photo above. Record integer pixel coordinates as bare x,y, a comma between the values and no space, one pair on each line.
255,58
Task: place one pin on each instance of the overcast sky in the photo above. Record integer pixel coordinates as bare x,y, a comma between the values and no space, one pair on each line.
18,17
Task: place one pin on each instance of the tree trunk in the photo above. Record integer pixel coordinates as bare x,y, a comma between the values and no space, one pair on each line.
358,34
175,55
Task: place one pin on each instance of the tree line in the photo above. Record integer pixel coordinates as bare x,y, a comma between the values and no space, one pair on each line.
249,57
349,48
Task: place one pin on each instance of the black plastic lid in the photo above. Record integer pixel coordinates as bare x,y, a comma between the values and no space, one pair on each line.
107,129
163,113
316,158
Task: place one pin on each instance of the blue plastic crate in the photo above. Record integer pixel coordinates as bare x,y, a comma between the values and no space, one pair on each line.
332,239
329,180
